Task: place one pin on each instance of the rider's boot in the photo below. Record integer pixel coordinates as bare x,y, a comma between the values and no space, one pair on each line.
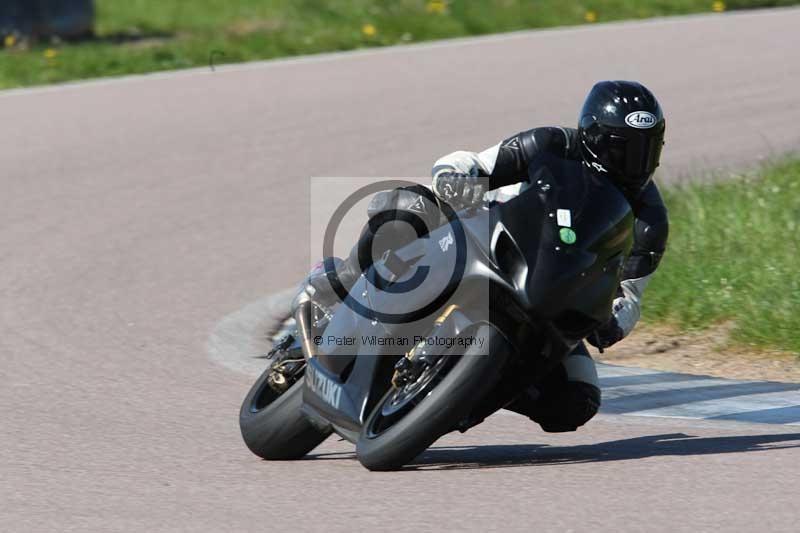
317,286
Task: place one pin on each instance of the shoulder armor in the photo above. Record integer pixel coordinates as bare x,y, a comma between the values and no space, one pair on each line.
555,140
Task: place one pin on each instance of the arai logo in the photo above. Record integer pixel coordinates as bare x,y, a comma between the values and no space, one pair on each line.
641,119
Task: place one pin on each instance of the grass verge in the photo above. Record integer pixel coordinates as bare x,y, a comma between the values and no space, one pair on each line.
733,255
135,36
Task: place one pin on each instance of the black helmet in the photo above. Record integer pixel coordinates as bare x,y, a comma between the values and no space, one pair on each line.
621,131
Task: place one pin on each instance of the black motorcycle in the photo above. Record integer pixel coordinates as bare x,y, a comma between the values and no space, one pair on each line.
524,282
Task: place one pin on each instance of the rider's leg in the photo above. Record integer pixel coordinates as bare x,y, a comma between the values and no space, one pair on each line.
315,286
567,399
392,215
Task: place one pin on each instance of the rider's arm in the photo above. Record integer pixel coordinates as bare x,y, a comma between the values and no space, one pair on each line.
506,162
651,230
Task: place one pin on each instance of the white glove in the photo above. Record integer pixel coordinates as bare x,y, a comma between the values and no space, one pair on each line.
459,189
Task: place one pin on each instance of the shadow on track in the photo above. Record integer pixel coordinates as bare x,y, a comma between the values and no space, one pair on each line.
515,455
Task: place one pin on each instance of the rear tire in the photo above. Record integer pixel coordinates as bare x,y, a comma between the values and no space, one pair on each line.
472,376
273,426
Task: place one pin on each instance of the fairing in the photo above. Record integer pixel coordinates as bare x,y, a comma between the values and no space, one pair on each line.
561,283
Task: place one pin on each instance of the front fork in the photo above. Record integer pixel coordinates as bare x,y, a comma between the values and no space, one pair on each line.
417,359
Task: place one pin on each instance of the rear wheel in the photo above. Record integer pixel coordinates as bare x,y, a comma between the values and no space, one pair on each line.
272,424
410,418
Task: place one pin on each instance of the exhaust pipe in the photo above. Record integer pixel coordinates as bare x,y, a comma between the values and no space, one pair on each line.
305,320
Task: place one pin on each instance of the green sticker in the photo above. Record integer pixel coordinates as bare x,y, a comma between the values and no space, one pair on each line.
567,235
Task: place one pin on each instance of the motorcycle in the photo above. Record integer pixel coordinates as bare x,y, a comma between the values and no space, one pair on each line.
547,264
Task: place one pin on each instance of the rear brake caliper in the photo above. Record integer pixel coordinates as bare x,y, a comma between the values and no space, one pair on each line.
286,365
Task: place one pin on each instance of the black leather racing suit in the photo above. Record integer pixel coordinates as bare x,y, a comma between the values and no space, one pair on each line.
570,397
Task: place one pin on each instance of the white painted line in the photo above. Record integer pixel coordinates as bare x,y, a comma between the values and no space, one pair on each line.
614,371
689,382
240,340
727,406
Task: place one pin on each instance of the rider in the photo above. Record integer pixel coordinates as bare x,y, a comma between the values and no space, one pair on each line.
620,135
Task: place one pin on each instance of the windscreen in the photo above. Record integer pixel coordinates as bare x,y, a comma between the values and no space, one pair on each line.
574,229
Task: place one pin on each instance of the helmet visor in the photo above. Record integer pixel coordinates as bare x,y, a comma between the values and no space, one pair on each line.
635,156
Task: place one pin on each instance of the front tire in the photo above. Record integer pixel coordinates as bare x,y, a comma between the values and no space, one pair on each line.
272,424
468,380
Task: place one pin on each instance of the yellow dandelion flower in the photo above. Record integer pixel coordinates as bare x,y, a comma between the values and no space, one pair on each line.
590,16
369,30
50,53
718,6
437,7
9,41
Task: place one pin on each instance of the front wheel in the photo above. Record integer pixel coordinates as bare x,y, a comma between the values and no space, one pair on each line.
409,419
272,425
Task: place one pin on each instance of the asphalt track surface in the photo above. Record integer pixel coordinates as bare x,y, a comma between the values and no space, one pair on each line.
135,214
